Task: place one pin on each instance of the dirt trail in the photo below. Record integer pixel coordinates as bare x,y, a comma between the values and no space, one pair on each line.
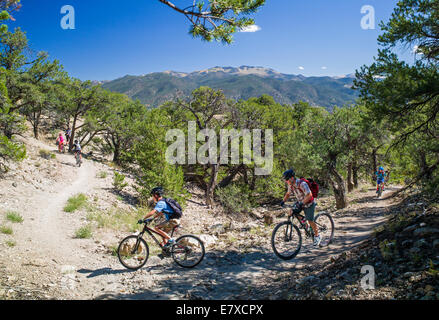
48,259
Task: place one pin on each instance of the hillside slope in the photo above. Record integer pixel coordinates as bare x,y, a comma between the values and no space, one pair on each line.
48,261
237,83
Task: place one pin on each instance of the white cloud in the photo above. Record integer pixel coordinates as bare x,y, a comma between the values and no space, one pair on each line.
301,68
324,68
416,50
252,28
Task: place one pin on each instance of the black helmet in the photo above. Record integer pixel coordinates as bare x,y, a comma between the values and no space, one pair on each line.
157,190
288,174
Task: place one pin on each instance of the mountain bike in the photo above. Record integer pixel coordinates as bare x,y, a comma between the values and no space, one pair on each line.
286,239
133,251
380,190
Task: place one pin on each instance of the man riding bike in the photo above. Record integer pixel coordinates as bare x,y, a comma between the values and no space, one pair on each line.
305,200
77,149
60,141
167,220
381,175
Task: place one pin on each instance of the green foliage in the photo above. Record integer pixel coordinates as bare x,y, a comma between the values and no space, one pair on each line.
76,202
388,249
11,243
102,174
404,96
116,219
84,232
14,217
234,199
46,154
118,181
6,230
218,20
157,88
10,151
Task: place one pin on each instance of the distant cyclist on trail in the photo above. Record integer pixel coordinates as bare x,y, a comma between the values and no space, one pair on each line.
305,200
168,219
60,142
77,149
381,176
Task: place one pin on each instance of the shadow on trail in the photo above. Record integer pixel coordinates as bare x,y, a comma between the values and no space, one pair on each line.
71,164
226,273
103,271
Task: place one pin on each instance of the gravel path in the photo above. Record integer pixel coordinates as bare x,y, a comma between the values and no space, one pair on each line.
48,262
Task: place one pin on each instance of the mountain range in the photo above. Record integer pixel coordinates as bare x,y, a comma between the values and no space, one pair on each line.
242,82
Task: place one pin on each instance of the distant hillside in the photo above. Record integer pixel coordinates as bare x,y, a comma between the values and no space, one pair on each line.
238,83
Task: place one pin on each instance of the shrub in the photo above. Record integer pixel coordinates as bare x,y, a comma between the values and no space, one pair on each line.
14,217
46,154
83,232
233,199
102,174
10,243
6,230
116,219
118,181
76,202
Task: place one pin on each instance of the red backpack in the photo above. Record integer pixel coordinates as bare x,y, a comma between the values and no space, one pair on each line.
313,186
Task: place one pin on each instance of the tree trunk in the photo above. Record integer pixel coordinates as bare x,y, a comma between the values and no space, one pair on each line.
355,175
349,182
374,169
116,154
338,185
72,137
212,185
227,180
423,164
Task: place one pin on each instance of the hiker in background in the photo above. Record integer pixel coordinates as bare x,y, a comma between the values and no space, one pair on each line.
68,134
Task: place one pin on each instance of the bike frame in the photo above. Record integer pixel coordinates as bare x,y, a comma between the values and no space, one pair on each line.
299,218
151,232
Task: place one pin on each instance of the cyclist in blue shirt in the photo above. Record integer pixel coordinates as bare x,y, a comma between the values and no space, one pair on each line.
381,175
163,210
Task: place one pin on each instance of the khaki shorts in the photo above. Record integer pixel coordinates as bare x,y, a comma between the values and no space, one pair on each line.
309,212
167,225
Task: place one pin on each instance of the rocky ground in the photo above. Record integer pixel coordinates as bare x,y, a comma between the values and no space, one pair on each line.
43,258
403,254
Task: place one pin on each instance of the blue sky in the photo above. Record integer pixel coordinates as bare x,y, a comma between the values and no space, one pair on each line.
114,38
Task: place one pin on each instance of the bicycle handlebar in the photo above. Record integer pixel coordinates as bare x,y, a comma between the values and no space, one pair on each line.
145,221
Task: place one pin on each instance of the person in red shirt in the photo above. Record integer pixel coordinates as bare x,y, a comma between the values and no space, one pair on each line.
305,200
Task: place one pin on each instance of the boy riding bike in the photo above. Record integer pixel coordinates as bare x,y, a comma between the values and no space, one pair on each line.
168,219
381,175
305,200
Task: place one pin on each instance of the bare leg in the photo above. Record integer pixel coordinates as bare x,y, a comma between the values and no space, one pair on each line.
163,234
314,227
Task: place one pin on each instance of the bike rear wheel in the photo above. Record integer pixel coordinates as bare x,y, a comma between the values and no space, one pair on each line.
380,191
188,251
286,240
325,224
133,252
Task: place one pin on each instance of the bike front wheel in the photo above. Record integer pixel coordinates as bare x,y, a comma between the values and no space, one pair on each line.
325,224
286,240
188,251
133,252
